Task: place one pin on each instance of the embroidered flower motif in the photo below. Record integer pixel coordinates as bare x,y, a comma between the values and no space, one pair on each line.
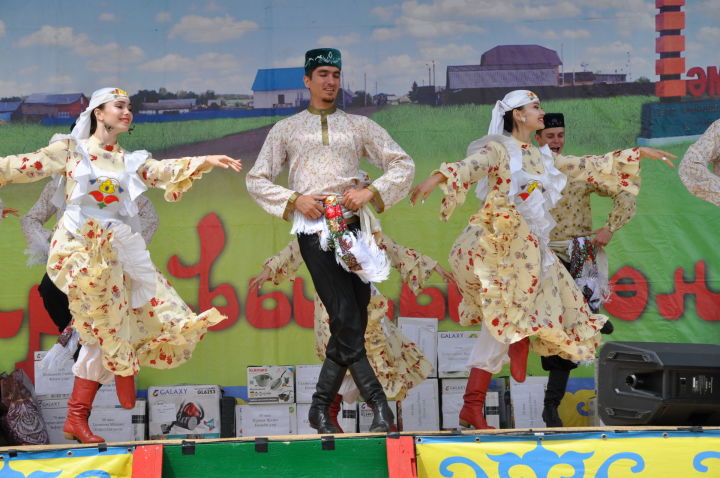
529,188
107,186
104,193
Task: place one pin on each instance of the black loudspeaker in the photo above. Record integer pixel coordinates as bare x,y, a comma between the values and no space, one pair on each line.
653,383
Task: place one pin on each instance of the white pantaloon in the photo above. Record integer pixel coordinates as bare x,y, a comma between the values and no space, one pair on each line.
488,354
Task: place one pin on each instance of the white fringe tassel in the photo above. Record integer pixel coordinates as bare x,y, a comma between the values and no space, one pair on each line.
59,357
373,260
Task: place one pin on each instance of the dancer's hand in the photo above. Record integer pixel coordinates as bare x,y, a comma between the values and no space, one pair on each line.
222,161
602,237
652,153
423,190
261,278
310,205
443,273
10,212
354,199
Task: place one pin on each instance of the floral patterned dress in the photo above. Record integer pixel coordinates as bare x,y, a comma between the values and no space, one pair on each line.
398,363
700,167
118,299
505,280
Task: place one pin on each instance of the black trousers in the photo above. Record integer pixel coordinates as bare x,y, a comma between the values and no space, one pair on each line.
344,296
55,302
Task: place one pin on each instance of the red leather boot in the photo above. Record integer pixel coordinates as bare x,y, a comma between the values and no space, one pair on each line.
125,389
518,353
79,406
473,410
334,410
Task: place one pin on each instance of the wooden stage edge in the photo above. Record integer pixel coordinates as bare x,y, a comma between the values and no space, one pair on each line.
343,436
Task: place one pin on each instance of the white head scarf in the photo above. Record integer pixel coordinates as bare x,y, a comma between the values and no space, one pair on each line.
514,99
98,98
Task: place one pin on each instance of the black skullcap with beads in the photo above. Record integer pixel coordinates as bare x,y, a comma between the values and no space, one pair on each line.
322,57
554,120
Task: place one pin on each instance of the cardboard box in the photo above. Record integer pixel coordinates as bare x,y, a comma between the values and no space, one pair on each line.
527,402
184,411
451,397
271,384
492,409
58,384
114,424
422,331
451,401
365,415
306,377
55,382
453,352
266,419
420,411
347,418
501,385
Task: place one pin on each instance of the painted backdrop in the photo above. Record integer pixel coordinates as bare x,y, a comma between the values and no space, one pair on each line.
195,70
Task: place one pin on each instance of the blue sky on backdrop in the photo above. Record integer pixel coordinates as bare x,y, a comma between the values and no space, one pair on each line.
80,45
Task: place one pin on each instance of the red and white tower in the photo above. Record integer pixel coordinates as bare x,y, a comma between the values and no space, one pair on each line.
670,45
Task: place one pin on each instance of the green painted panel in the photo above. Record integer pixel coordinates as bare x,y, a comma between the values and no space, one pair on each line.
352,457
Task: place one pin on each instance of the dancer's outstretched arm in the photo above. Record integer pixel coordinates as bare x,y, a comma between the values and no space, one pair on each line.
615,171
694,171
280,267
415,268
176,176
31,167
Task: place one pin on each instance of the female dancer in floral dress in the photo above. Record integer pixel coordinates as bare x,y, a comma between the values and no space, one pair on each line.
510,280
127,314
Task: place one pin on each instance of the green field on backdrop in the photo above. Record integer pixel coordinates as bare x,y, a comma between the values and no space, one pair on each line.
672,230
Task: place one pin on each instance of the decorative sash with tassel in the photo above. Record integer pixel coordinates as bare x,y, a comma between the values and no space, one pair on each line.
355,252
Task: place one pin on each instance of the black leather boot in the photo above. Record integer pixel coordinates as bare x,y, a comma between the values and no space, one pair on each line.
371,390
557,382
328,384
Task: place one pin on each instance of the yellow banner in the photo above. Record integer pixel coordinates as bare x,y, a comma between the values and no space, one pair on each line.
645,456
81,463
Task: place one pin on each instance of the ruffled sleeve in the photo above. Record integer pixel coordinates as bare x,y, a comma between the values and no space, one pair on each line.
33,222
616,171
175,176
30,167
694,171
148,218
284,264
462,174
414,267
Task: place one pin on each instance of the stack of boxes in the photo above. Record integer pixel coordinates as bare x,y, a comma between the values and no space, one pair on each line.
305,379
184,411
454,350
271,408
279,397
108,419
